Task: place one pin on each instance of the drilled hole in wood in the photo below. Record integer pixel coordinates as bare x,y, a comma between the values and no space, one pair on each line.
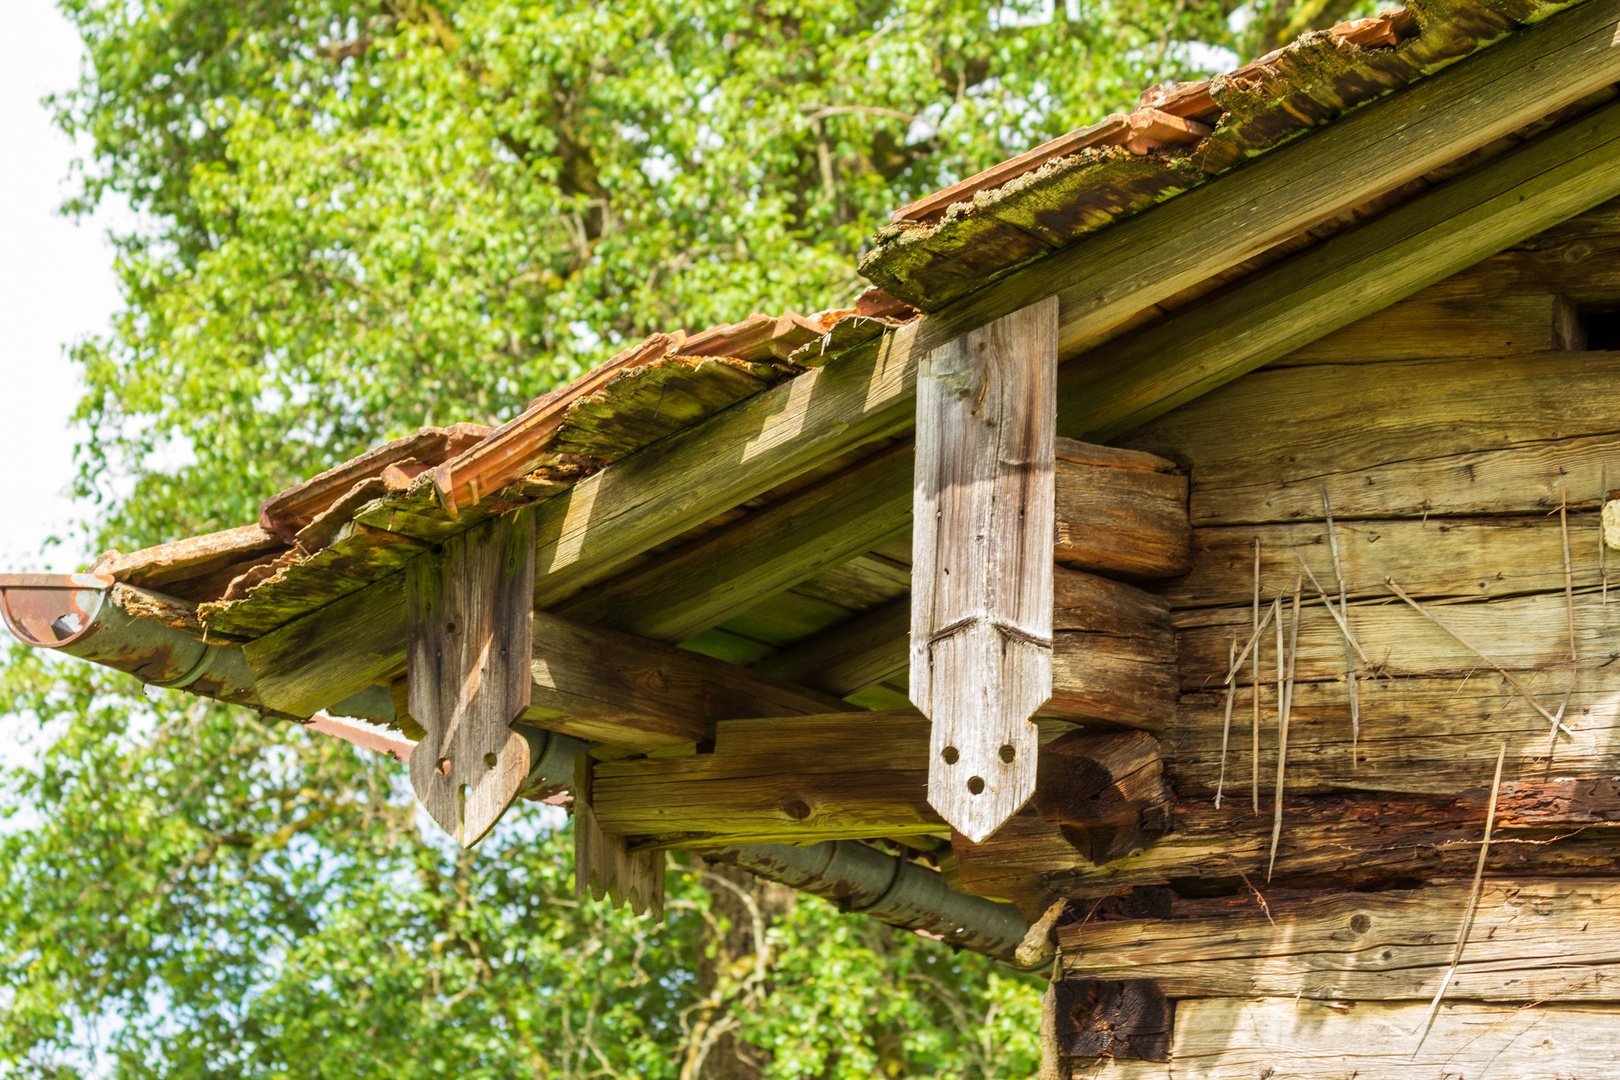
1008,752
444,766
950,755
976,785
449,628
490,760
796,810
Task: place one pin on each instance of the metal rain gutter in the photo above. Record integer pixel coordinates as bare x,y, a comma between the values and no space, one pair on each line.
95,618
888,888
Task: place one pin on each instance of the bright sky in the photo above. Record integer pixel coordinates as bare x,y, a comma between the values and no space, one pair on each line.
56,287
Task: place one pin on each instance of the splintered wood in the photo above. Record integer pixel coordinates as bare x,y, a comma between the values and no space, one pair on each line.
468,647
982,551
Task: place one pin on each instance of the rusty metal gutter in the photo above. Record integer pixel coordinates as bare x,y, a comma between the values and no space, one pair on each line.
95,618
889,888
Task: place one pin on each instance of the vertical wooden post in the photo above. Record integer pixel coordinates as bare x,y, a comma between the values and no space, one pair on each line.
604,866
468,655
982,545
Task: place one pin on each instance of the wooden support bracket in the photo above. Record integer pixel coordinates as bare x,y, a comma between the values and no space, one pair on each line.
1105,791
982,549
468,643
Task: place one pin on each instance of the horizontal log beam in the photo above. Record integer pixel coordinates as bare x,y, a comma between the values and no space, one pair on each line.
1348,841
615,688
694,475
851,656
1532,940
797,780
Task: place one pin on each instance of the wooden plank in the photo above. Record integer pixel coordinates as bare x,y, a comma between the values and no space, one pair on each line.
850,656
1239,1039
981,598
1532,940
1476,558
467,621
1467,437
604,866
616,688
1445,321
334,651
1521,633
1417,734
1282,308
700,473
676,596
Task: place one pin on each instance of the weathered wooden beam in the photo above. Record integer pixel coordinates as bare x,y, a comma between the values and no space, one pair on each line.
694,475
1122,1020
1354,840
778,780
847,776
1272,313
981,563
467,622
1121,512
616,688
701,585
1227,1038
604,866
1554,939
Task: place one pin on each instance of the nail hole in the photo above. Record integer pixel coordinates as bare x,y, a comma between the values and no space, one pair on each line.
489,761
950,755
444,766
449,628
1008,752
976,785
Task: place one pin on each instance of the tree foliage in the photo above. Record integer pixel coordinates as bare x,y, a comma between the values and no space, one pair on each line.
359,217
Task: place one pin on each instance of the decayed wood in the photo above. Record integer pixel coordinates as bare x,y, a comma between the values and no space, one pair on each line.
179,567
1414,245
1485,436
1117,519
467,625
778,780
1352,840
1124,1020
604,866
1418,734
1533,940
1240,1039
981,614
627,691
676,596
1106,790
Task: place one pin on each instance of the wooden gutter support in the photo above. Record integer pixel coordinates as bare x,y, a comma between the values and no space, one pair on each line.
982,540
468,633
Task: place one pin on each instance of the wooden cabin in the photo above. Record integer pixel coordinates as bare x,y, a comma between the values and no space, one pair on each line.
1185,572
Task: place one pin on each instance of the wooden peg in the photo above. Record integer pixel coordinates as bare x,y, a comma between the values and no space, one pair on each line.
982,547
468,631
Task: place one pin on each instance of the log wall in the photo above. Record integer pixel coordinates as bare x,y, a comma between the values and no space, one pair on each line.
1448,433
